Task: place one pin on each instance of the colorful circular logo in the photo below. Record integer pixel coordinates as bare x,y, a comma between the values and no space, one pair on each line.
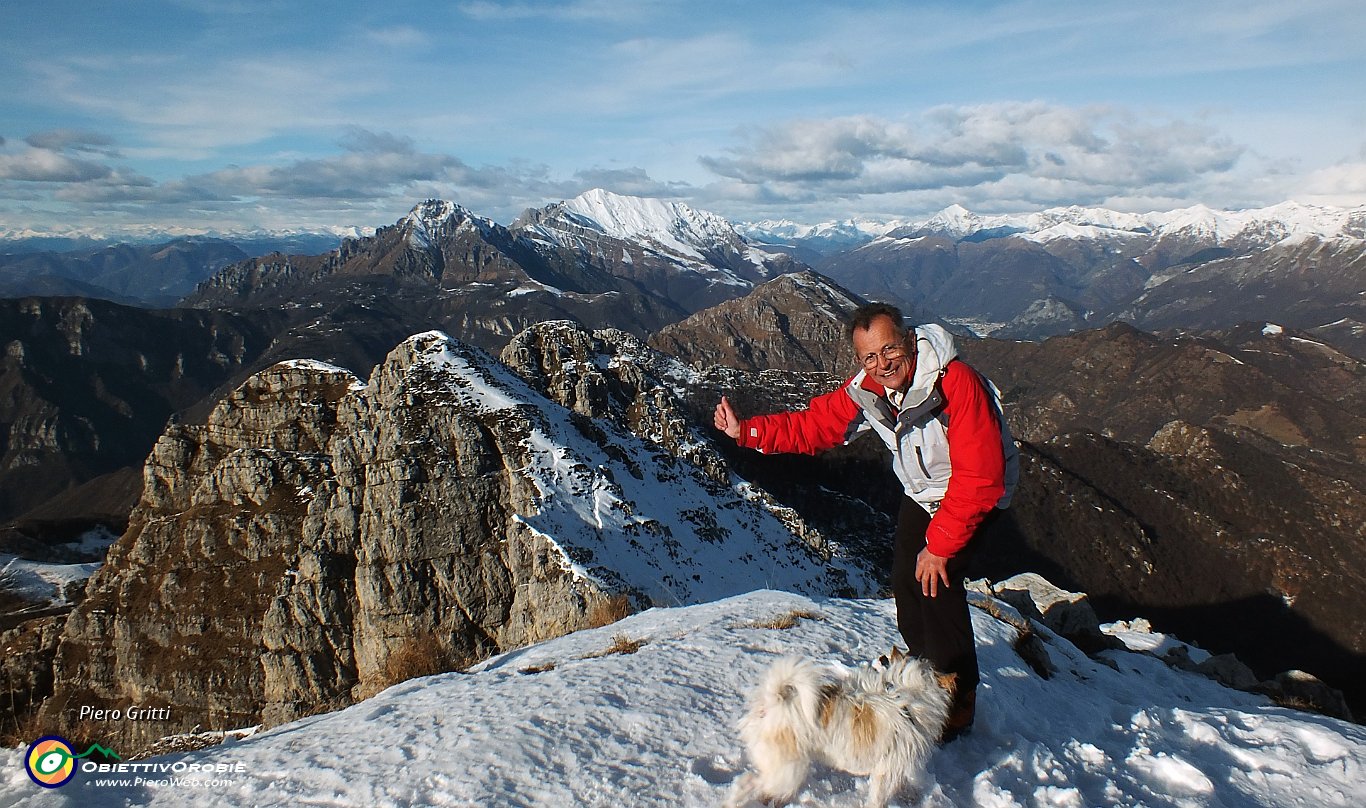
50,761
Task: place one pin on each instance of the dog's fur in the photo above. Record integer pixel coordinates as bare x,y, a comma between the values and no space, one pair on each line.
880,720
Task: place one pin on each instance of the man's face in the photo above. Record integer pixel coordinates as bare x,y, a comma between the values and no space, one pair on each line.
882,350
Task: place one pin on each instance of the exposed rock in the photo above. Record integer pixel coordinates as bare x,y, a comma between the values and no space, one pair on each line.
1297,688
26,669
794,322
1068,614
1228,670
318,539
86,386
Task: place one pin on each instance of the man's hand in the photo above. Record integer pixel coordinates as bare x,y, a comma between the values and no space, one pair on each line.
930,569
726,420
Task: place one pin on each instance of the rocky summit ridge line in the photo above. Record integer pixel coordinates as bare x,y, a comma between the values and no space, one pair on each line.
296,551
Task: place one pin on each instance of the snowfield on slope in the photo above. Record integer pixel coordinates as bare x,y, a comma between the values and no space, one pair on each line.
570,722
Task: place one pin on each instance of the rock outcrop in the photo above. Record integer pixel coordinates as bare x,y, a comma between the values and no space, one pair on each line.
320,538
793,322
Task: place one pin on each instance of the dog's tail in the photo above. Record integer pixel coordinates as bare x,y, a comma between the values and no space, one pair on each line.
794,688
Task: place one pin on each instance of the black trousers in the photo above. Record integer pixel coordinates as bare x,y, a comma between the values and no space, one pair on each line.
938,628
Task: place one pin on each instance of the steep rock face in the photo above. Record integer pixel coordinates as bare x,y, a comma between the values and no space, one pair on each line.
298,550
791,322
27,670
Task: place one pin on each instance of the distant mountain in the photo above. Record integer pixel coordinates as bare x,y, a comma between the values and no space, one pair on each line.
149,275
600,259
794,321
17,241
819,239
1239,458
693,258
1060,270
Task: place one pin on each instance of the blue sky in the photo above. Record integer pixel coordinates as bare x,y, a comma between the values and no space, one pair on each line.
233,114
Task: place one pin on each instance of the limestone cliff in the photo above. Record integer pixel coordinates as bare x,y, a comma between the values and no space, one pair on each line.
320,538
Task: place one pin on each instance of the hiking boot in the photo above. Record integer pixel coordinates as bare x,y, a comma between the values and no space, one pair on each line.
961,716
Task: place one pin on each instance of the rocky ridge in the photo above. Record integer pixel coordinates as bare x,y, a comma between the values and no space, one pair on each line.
646,264
436,514
794,321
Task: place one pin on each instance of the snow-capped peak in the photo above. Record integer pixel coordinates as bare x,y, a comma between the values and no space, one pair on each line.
426,218
631,218
956,220
436,211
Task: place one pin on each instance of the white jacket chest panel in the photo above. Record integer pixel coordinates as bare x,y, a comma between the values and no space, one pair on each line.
920,454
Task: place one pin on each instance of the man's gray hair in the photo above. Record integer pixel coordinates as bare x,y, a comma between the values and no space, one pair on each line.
863,317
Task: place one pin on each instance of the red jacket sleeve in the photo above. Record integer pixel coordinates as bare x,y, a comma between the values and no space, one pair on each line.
976,456
822,425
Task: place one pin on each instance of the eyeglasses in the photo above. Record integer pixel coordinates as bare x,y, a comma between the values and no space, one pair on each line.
889,352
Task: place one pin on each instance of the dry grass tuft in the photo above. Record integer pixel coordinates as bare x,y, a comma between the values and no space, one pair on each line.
786,620
421,655
621,644
548,666
606,612
19,730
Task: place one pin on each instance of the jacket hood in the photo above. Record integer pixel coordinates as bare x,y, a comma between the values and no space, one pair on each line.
934,349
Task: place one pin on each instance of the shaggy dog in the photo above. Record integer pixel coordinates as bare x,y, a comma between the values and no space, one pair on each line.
882,721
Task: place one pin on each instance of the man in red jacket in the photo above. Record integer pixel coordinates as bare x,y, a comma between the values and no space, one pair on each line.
952,452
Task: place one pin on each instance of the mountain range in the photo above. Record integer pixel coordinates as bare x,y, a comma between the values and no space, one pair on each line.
1209,476
641,264
1062,270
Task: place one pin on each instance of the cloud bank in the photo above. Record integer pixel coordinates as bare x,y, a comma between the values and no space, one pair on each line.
992,157
1038,154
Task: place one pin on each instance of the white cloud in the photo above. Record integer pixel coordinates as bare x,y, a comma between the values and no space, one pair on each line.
370,181
45,165
1342,185
1038,152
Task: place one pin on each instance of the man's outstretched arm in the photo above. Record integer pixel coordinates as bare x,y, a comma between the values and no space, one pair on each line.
822,425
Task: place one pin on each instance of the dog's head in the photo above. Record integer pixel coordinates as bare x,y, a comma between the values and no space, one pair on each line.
892,657
948,681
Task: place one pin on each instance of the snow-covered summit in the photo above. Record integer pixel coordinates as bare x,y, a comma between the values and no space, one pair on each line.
642,713
1259,227
429,218
672,226
616,229
633,217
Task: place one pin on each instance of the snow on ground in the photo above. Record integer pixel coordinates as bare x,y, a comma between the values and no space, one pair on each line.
46,582
566,723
